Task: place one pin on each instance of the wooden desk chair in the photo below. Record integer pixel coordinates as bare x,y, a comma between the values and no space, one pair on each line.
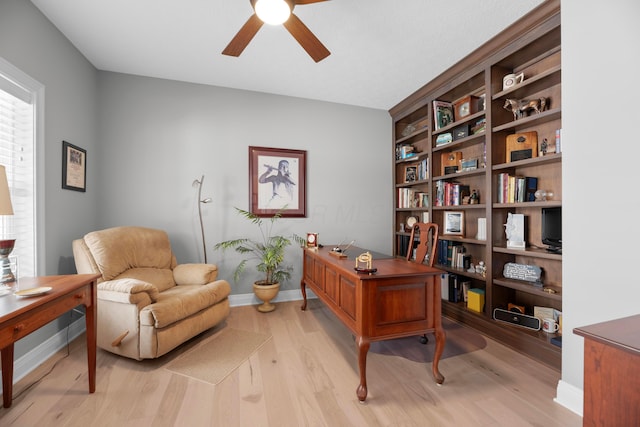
426,248
427,243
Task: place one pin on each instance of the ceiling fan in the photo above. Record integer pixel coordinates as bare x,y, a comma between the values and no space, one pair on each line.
291,22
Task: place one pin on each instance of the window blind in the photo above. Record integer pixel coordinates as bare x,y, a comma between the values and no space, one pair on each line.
17,154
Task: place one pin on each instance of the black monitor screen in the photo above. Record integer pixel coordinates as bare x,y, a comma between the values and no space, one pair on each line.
552,228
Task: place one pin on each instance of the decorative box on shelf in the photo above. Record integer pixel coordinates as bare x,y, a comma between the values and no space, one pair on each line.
475,300
460,132
465,106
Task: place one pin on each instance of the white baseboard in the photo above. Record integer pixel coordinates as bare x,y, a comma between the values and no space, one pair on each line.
283,296
569,396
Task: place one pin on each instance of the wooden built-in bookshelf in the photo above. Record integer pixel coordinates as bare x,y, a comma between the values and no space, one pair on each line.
532,46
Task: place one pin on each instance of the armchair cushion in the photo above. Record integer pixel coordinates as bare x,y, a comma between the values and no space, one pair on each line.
161,278
181,302
129,290
195,274
117,250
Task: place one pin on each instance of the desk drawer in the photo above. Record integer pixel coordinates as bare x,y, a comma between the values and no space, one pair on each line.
28,322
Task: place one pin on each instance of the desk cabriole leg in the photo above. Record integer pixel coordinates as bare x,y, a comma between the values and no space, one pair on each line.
303,289
440,340
363,349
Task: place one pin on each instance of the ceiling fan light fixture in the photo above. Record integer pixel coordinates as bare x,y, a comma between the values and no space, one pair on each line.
273,12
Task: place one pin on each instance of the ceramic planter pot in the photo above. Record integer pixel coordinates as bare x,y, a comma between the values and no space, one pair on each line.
266,293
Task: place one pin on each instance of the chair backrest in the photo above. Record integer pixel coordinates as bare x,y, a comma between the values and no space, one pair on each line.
426,244
114,252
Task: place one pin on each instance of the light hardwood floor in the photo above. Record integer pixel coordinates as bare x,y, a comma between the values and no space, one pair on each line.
306,375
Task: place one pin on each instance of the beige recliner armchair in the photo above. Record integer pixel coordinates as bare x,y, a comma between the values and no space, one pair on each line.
147,304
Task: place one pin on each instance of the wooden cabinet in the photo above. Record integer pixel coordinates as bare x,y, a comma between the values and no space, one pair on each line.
442,156
611,372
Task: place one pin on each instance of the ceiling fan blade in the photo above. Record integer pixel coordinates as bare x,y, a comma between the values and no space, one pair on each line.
305,37
243,37
307,1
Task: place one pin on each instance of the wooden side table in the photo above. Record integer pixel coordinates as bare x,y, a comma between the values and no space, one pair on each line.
19,316
611,372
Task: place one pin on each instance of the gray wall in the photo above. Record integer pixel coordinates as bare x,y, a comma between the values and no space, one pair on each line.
32,44
158,136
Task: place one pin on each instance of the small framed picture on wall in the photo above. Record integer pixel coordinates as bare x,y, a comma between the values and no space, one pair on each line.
74,167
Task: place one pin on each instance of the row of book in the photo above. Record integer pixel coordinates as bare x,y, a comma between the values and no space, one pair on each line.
411,198
514,189
454,288
453,254
450,193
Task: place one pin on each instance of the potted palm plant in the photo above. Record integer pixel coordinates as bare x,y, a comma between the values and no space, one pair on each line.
268,253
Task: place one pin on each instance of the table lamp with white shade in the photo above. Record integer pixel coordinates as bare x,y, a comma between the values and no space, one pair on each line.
6,245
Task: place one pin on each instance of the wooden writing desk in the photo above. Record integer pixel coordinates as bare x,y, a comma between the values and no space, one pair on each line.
20,316
401,299
611,372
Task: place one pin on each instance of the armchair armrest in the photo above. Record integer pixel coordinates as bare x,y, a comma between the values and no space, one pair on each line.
195,274
130,291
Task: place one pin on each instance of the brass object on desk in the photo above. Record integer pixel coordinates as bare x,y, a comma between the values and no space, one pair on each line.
365,259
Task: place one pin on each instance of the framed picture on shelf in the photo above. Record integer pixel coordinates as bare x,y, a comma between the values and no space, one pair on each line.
442,114
411,173
277,181
74,167
454,223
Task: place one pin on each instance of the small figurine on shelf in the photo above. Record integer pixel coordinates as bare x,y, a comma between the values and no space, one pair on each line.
474,199
543,147
481,269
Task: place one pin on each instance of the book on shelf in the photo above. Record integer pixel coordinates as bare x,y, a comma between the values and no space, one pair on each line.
403,245
444,286
455,289
442,114
439,199
531,186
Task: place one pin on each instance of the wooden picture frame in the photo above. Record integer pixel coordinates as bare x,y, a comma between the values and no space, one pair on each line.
277,182
442,114
453,223
74,167
411,173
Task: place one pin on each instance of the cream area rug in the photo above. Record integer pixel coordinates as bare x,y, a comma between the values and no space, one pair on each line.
217,357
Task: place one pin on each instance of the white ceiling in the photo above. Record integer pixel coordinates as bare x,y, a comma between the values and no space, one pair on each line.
381,50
